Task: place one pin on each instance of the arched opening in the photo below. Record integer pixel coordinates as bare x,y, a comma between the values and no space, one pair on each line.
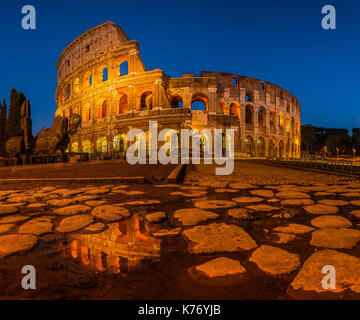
120,144
272,117
281,149
176,102
272,149
86,113
87,80
100,261
292,155
262,117
249,146
101,145
281,119
287,123
85,255
76,86
146,101
74,249
105,74
101,111
68,91
86,146
249,115
75,147
199,102
287,153
123,104
123,69
234,109
260,145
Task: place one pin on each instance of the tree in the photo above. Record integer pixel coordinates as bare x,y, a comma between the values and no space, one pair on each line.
13,119
308,137
3,112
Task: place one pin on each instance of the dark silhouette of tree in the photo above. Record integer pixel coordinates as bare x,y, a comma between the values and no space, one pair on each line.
3,112
13,119
308,137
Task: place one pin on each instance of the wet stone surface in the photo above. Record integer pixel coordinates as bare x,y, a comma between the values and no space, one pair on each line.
259,233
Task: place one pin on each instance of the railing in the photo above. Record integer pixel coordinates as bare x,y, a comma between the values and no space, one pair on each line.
338,165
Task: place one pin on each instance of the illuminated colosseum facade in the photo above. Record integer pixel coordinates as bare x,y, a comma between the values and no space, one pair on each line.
102,78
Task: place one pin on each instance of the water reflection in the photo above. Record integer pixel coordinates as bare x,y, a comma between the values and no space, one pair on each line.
119,249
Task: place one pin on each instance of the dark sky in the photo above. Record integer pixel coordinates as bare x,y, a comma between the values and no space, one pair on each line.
275,40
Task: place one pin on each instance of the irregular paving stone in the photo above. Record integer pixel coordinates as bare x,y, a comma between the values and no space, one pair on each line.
297,202
356,213
61,202
110,213
73,223
294,228
94,203
310,276
263,193
193,194
272,200
85,198
23,199
241,186
284,237
36,205
321,209
287,213
274,260
5,227
226,190
218,237
331,202
16,243
37,227
155,217
262,207
121,186
192,216
240,213
323,194
330,221
142,202
292,195
351,195
166,185
166,232
97,191
247,199
13,219
227,271
96,227
71,210
6,209
355,203
335,238
214,204
127,192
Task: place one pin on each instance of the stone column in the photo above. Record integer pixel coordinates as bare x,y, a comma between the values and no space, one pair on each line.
213,101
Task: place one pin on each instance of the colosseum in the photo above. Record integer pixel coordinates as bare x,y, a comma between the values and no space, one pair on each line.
102,78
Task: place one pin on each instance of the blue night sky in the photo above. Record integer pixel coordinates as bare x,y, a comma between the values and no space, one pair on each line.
275,40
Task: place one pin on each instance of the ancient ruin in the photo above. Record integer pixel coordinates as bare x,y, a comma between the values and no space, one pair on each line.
102,78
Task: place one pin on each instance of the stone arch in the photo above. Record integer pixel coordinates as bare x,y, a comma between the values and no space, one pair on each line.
101,145
120,143
76,86
249,114
75,147
287,153
85,113
272,117
67,91
292,155
234,109
176,102
199,101
85,255
87,80
287,123
74,249
272,149
249,146
281,119
262,117
86,146
260,147
146,101
281,149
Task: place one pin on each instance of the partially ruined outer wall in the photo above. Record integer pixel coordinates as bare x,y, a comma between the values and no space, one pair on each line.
149,96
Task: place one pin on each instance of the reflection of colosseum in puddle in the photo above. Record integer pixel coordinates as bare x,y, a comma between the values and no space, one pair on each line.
119,249
102,78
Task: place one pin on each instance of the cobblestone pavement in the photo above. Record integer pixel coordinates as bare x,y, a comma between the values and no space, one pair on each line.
261,233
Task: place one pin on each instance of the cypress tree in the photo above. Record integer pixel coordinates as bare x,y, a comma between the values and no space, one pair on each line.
13,119
3,111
